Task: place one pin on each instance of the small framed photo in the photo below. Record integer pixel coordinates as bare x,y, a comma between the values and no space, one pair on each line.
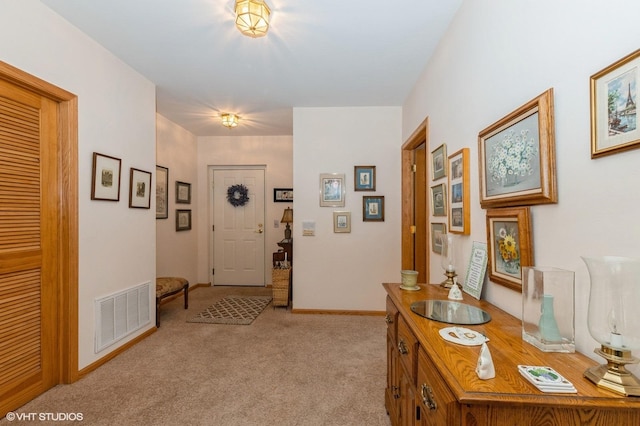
614,99
162,192
517,157
510,245
283,195
341,222
364,178
438,200
183,193
332,190
373,208
458,172
105,181
437,232
438,162
139,189
183,220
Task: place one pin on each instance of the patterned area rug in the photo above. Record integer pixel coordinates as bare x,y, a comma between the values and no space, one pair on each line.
240,310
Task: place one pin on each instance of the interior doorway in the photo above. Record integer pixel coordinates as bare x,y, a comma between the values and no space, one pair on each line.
415,203
38,237
238,228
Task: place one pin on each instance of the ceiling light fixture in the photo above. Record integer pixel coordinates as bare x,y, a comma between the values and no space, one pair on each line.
252,17
229,120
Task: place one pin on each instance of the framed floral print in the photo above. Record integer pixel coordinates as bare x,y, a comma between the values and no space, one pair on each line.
364,178
183,193
183,220
517,157
332,190
458,206
510,245
162,192
614,100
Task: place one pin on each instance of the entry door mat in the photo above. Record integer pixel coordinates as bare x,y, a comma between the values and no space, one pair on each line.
239,310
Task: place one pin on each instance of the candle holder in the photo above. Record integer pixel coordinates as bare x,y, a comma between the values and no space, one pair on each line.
448,260
614,321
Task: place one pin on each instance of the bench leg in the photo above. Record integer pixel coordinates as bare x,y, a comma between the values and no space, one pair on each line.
157,312
186,296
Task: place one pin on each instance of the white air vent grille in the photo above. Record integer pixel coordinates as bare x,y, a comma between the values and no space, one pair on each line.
121,314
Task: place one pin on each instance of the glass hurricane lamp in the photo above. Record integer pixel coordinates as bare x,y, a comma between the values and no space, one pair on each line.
614,321
448,260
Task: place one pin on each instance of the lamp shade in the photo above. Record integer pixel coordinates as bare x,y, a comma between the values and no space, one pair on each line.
614,301
287,216
252,17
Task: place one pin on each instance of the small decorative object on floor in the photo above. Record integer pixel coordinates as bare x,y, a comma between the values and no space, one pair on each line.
546,379
455,293
485,368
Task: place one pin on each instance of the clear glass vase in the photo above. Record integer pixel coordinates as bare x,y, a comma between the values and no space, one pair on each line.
548,308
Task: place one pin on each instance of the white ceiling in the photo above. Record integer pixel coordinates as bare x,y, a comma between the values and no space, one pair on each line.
318,53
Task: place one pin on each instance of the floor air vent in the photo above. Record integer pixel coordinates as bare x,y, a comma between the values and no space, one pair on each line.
121,314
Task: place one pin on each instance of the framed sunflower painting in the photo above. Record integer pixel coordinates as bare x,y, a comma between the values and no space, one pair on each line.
509,245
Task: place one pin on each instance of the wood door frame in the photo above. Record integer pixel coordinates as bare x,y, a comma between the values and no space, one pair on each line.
67,185
417,138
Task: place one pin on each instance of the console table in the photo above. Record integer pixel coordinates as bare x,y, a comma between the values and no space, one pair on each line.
433,382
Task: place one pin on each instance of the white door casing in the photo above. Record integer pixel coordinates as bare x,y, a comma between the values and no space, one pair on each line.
238,231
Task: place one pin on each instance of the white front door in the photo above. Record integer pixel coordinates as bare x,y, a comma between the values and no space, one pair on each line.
238,230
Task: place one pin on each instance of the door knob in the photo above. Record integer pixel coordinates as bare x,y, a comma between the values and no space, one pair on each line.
260,230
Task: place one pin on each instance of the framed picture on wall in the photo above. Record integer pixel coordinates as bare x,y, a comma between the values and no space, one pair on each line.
183,193
162,192
105,180
614,100
458,172
437,231
438,162
183,220
517,157
341,222
510,246
283,195
332,190
139,189
439,200
364,178
373,208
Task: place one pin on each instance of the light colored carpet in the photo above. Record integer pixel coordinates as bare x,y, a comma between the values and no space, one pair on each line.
237,310
284,369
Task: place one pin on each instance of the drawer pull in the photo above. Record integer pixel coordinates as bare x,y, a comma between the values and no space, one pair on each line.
402,347
388,319
427,397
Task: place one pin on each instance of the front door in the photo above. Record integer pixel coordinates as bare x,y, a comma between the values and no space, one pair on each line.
238,227
28,245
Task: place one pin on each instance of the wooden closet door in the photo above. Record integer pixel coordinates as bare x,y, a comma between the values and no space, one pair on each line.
28,238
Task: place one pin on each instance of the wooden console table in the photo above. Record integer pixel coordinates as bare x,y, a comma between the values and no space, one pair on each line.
433,382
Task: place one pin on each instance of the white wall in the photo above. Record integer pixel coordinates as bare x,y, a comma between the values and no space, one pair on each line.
345,271
496,56
116,118
273,152
175,252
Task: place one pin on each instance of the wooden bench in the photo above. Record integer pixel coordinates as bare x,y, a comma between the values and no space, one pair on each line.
168,286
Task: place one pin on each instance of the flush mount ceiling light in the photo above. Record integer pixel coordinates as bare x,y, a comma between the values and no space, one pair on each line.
229,120
252,17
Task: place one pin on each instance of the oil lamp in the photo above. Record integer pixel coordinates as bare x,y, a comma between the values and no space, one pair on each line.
614,321
448,260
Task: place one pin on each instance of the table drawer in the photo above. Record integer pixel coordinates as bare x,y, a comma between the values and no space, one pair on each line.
437,405
391,318
407,349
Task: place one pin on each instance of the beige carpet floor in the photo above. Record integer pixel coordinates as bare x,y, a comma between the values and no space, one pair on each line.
283,369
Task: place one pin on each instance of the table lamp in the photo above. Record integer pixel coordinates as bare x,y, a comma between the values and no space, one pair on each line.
448,260
614,321
287,217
